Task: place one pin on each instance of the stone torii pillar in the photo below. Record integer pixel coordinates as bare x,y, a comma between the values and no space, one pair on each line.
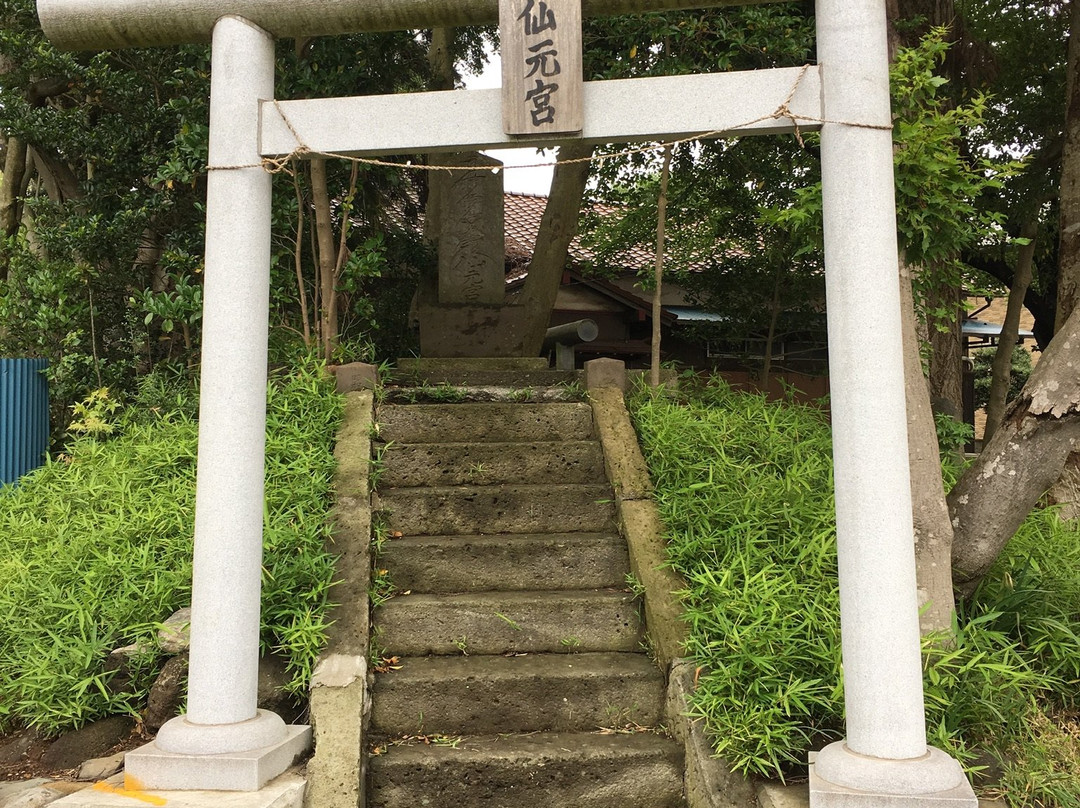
224,741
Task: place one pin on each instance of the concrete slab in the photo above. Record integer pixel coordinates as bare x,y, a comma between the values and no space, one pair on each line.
230,771
286,791
777,795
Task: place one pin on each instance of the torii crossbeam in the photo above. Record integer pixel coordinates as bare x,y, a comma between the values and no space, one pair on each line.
224,741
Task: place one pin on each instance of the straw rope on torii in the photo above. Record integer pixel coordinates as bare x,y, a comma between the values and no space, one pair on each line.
277,165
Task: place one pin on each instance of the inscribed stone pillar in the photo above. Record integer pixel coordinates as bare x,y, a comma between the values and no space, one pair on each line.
469,211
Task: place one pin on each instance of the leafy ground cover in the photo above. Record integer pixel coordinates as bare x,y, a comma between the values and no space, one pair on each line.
95,547
744,487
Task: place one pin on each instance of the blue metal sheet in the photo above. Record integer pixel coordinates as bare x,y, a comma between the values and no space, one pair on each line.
24,417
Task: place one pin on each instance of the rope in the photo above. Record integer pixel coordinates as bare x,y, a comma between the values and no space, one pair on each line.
277,165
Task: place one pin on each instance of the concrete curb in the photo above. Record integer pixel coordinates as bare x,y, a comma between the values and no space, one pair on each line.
339,698
640,523
708,780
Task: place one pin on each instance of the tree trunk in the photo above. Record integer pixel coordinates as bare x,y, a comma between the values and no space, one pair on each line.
946,352
1025,457
658,290
324,230
1002,367
1068,286
11,186
557,229
933,530
56,176
770,338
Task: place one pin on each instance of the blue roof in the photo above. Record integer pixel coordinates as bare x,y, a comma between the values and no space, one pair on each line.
690,314
981,328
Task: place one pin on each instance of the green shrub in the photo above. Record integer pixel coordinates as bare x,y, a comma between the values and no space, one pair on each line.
744,488
984,363
95,550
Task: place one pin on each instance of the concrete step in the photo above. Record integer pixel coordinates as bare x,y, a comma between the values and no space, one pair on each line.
467,509
478,423
509,622
506,562
479,377
554,770
406,465
478,695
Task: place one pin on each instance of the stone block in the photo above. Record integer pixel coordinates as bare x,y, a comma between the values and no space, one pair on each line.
355,376
642,529
286,791
626,468
101,768
601,373
152,769
472,330
339,704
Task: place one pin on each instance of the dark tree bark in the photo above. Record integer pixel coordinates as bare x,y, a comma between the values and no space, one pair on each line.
11,188
1024,458
946,352
557,230
324,231
1068,286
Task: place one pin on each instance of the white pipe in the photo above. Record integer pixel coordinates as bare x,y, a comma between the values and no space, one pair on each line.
224,662
98,24
879,611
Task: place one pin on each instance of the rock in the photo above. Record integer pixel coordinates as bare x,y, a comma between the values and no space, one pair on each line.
174,636
273,677
167,693
118,663
41,795
100,768
10,790
13,750
93,740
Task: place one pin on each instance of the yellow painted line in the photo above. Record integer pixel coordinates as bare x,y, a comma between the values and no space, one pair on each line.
132,788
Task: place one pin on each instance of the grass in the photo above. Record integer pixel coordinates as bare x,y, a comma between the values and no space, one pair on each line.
95,550
744,487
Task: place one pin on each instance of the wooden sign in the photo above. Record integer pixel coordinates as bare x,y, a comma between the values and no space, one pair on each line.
542,79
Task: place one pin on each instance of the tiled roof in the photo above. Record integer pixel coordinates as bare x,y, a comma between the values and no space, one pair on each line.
523,213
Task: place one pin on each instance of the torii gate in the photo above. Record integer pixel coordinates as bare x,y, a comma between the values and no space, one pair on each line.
885,759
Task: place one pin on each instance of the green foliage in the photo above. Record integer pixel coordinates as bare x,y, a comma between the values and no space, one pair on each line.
1018,375
744,487
95,549
745,490
94,415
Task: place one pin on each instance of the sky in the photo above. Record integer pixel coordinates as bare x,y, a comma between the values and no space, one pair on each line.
522,180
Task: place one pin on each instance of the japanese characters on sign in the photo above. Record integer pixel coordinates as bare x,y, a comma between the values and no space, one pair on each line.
541,66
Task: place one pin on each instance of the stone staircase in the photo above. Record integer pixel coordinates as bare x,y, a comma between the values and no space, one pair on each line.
520,674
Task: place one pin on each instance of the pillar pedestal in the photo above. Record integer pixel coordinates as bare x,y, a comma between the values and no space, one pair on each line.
154,767
841,778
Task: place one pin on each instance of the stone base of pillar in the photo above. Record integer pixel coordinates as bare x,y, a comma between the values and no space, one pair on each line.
150,768
840,778
286,791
